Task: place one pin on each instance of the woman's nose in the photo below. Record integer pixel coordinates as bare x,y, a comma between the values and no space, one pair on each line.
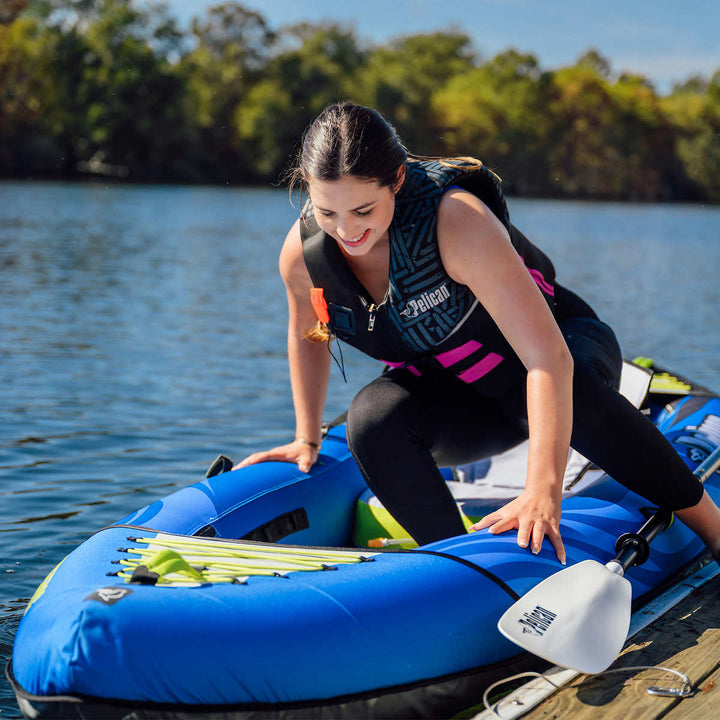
346,231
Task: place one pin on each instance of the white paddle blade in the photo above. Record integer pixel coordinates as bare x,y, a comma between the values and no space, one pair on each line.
578,618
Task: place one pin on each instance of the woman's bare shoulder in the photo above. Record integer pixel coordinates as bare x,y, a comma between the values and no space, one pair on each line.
461,210
292,264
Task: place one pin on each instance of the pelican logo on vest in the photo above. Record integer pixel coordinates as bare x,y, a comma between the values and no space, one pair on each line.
426,301
109,595
537,621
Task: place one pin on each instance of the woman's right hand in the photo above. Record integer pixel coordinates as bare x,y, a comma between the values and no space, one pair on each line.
298,451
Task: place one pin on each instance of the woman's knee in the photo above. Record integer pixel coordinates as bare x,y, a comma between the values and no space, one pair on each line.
380,410
595,350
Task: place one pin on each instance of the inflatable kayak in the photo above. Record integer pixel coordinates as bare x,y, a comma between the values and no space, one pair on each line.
266,592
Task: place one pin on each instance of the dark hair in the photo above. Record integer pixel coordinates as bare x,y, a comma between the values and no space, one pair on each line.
349,139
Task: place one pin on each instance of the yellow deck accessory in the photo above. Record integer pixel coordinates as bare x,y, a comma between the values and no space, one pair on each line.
185,560
663,382
376,527
666,383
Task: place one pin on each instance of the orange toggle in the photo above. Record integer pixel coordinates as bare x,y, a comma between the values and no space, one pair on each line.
318,302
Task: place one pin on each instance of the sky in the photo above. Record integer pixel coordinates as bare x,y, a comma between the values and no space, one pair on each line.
665,40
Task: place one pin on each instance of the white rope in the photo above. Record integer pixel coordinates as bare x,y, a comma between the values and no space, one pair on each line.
681,692
530,673
684,691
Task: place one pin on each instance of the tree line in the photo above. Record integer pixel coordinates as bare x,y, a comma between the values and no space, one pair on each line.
113,89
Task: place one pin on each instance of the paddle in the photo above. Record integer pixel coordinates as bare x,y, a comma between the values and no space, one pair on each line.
579,617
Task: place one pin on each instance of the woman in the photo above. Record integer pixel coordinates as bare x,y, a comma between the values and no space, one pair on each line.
416,263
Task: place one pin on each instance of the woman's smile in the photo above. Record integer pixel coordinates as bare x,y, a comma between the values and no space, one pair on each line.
356,241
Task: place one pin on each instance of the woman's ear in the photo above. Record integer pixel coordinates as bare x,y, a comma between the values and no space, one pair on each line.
400,179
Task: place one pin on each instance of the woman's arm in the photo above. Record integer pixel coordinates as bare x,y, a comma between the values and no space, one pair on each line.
476,251
309,362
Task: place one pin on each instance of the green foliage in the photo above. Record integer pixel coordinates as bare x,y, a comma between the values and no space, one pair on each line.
699,146
583,159
316,66
115,88
644,139
128,93
399,81
498,112
26,89
608,139
592,60
11,9
231,47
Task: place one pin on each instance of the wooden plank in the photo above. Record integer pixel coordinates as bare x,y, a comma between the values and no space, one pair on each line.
686,639
705,704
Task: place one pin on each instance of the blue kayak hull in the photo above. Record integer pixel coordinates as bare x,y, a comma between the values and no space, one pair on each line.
308,640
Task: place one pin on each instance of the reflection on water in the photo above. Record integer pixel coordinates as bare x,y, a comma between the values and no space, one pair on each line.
142,333
54,516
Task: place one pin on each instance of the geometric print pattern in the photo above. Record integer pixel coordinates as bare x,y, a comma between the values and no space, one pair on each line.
425,304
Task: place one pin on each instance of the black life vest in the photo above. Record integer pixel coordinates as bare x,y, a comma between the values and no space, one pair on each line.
427,321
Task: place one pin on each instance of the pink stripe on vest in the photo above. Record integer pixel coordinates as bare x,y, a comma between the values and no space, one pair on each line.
394,364
413,370
542,283
450,357
490,361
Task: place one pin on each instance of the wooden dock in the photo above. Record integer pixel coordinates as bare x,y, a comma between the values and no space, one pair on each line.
686,638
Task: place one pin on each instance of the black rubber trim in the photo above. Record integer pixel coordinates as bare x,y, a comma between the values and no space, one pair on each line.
432,698
206,532
279,527
221,464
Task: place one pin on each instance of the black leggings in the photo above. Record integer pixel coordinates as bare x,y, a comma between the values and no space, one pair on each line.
402,427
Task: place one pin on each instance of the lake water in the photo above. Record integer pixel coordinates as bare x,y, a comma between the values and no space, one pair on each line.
142,332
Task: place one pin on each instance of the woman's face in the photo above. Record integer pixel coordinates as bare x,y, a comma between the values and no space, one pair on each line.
354,211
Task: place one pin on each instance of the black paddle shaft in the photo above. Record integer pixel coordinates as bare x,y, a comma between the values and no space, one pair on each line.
634,548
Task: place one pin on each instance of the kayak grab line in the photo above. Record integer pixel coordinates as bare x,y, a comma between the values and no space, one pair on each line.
169,560
241,550
245,547
490,576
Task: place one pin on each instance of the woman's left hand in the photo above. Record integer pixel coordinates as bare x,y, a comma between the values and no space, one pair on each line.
534,515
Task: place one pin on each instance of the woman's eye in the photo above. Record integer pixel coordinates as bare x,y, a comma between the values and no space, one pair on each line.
359,213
